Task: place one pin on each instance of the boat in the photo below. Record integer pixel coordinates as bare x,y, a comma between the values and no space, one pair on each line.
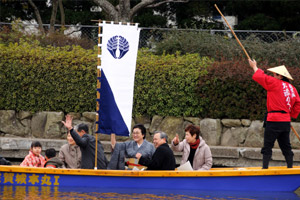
279,179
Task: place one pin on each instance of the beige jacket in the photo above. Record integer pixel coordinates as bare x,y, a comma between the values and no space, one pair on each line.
70,155
202,159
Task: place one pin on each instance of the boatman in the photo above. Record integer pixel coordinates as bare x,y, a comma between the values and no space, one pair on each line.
163,157
283,102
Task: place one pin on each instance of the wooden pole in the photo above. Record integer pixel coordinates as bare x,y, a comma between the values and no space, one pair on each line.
297,135
237,39
98,94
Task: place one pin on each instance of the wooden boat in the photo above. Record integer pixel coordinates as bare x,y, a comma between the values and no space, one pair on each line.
279,179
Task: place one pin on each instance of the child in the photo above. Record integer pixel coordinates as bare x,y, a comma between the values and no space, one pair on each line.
34,158
52,160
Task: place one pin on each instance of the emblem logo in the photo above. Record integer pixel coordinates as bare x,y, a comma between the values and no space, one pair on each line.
118,46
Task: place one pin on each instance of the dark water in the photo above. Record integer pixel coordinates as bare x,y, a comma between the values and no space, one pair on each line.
70,193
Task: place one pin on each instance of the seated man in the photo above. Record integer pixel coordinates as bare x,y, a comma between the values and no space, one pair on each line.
87,145
51,160
163,157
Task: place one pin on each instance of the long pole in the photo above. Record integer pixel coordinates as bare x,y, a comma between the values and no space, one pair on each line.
237,39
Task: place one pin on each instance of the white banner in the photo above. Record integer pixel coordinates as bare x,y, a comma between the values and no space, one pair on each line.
118,62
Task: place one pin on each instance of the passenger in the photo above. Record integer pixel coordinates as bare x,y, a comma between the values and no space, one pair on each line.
283,102
70,154
163,157
194,149
51,160
129,149
87,145
34,158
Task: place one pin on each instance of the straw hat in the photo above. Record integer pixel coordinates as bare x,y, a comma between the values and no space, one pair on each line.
282,71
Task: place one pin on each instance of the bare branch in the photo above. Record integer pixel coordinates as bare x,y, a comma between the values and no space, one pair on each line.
108,8
152,4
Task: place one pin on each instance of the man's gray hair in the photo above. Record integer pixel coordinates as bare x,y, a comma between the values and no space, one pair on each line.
162,135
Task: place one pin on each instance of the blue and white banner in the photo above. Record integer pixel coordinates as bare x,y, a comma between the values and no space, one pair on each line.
118,62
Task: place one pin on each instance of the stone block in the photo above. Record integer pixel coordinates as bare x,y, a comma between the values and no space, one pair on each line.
211,131
255,134
234,136
156,120
193,120
251,153
224,152
89,116
171,126
246,122
10,124
231,122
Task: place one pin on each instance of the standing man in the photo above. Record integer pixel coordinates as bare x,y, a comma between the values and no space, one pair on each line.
87,145
163,157
283,102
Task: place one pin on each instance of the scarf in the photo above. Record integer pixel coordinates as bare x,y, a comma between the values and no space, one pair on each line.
195,144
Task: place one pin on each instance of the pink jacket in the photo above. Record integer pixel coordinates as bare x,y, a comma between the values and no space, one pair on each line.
202,159
32,160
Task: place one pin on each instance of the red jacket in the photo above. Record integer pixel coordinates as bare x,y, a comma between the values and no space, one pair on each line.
281,96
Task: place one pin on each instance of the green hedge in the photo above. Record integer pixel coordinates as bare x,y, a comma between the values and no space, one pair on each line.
39,78
36,78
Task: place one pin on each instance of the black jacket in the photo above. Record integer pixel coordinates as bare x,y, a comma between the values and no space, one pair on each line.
162,159
87,147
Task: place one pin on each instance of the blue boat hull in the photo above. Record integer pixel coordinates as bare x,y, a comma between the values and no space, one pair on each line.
283,180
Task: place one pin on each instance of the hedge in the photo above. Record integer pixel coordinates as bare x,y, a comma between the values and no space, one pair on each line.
39,78
36,78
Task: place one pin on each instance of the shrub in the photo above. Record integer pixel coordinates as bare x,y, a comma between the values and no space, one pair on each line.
39,78
283,50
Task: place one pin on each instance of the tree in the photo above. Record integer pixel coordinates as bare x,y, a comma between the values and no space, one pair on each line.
38,16
124,12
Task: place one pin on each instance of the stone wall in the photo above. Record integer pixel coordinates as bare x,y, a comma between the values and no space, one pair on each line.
216,132
234,142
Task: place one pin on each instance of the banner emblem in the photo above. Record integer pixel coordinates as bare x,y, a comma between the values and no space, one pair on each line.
118,46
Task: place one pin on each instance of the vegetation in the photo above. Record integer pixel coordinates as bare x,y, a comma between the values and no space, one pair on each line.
283,49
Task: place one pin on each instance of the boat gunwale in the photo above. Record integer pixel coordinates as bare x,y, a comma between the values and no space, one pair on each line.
215,172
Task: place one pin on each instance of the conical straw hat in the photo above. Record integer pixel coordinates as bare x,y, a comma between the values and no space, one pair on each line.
282,71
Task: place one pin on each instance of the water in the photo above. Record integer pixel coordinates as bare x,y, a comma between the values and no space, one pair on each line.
71,193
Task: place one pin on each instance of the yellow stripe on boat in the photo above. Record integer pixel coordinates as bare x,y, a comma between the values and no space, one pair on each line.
215,172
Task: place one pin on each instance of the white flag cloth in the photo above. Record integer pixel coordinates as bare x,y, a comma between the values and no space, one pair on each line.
118,63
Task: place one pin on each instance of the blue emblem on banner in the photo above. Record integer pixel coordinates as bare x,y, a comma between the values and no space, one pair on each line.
118,46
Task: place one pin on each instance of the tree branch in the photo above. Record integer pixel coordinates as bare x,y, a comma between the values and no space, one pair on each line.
167,1
152,4
108,8
38,16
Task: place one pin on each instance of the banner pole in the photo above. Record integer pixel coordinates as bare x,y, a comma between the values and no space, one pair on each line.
98,92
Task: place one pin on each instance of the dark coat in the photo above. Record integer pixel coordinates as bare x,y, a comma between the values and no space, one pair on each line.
162,159
87,147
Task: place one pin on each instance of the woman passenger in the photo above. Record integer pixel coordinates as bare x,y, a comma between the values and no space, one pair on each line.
194,149
129,149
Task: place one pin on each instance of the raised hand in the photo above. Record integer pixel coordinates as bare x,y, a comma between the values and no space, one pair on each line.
176,140
68,122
